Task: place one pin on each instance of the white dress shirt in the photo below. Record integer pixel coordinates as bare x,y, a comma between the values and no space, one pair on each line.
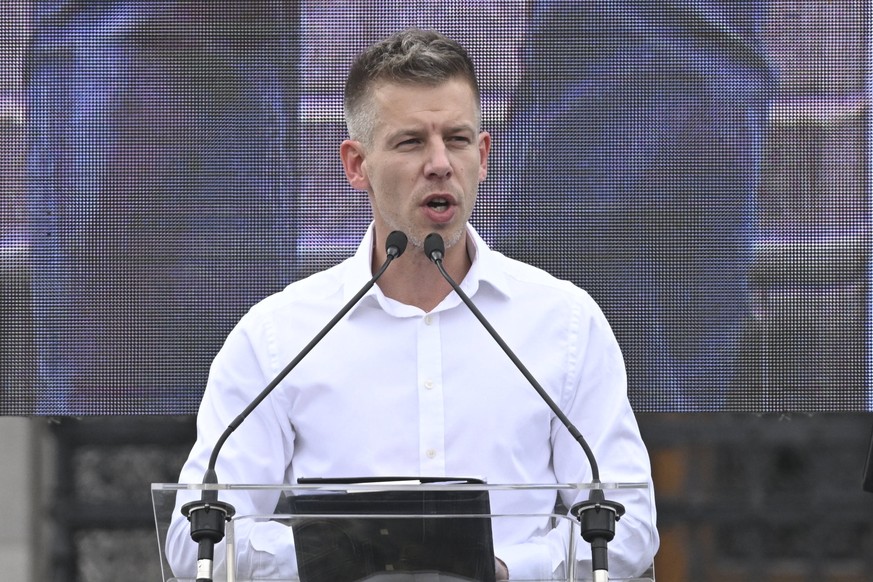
392,390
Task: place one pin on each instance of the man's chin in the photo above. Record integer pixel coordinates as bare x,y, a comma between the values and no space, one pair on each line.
451,236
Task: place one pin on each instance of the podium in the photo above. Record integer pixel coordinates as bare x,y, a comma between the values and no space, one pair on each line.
381,531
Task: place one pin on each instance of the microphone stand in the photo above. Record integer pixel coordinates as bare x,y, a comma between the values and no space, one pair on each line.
208,515
596,515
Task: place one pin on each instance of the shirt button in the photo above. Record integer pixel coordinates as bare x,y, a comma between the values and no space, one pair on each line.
428,320
428,385
430,453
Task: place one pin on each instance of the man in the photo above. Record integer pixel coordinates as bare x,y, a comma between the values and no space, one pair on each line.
410,383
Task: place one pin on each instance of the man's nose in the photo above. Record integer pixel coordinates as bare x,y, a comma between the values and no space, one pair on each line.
438,164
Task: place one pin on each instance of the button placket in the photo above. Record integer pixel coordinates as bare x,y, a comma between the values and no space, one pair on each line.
430,397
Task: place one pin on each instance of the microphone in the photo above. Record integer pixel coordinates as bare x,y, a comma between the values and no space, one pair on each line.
597,515
208,515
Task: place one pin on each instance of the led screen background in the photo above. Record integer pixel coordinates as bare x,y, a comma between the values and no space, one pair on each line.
696,166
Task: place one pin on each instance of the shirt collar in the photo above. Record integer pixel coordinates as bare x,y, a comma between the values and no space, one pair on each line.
486,270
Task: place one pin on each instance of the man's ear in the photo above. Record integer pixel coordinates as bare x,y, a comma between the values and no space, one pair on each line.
484,150
352,155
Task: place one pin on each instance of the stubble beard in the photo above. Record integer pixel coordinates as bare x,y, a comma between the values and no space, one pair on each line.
453,238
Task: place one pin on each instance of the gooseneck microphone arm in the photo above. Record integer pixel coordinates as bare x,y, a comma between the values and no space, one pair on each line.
435,249
208,515
597,515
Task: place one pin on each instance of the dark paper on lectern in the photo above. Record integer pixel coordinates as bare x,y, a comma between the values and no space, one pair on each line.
379,543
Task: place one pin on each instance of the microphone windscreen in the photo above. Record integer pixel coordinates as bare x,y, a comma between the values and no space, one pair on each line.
397,241
434,247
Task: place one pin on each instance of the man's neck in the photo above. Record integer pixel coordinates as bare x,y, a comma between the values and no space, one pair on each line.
414,280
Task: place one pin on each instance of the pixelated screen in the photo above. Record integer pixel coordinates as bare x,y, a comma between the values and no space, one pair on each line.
700,167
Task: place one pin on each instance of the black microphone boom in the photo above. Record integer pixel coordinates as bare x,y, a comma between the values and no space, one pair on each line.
597,515
208,515
434,248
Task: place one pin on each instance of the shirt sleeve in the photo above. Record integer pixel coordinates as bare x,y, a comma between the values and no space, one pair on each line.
257,452
595,401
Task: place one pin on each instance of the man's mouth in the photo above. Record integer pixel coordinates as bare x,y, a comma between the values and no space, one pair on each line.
438,203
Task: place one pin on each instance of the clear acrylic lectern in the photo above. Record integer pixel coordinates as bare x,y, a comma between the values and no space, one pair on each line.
388,531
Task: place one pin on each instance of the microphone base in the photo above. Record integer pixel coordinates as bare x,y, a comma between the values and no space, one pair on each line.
207,517
597,516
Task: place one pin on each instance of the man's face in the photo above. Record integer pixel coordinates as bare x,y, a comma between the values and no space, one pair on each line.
424,162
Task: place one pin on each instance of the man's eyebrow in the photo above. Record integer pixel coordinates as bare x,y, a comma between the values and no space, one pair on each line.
408,132
461,127
404,132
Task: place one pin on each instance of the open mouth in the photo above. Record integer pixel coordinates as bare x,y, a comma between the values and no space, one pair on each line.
439,204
